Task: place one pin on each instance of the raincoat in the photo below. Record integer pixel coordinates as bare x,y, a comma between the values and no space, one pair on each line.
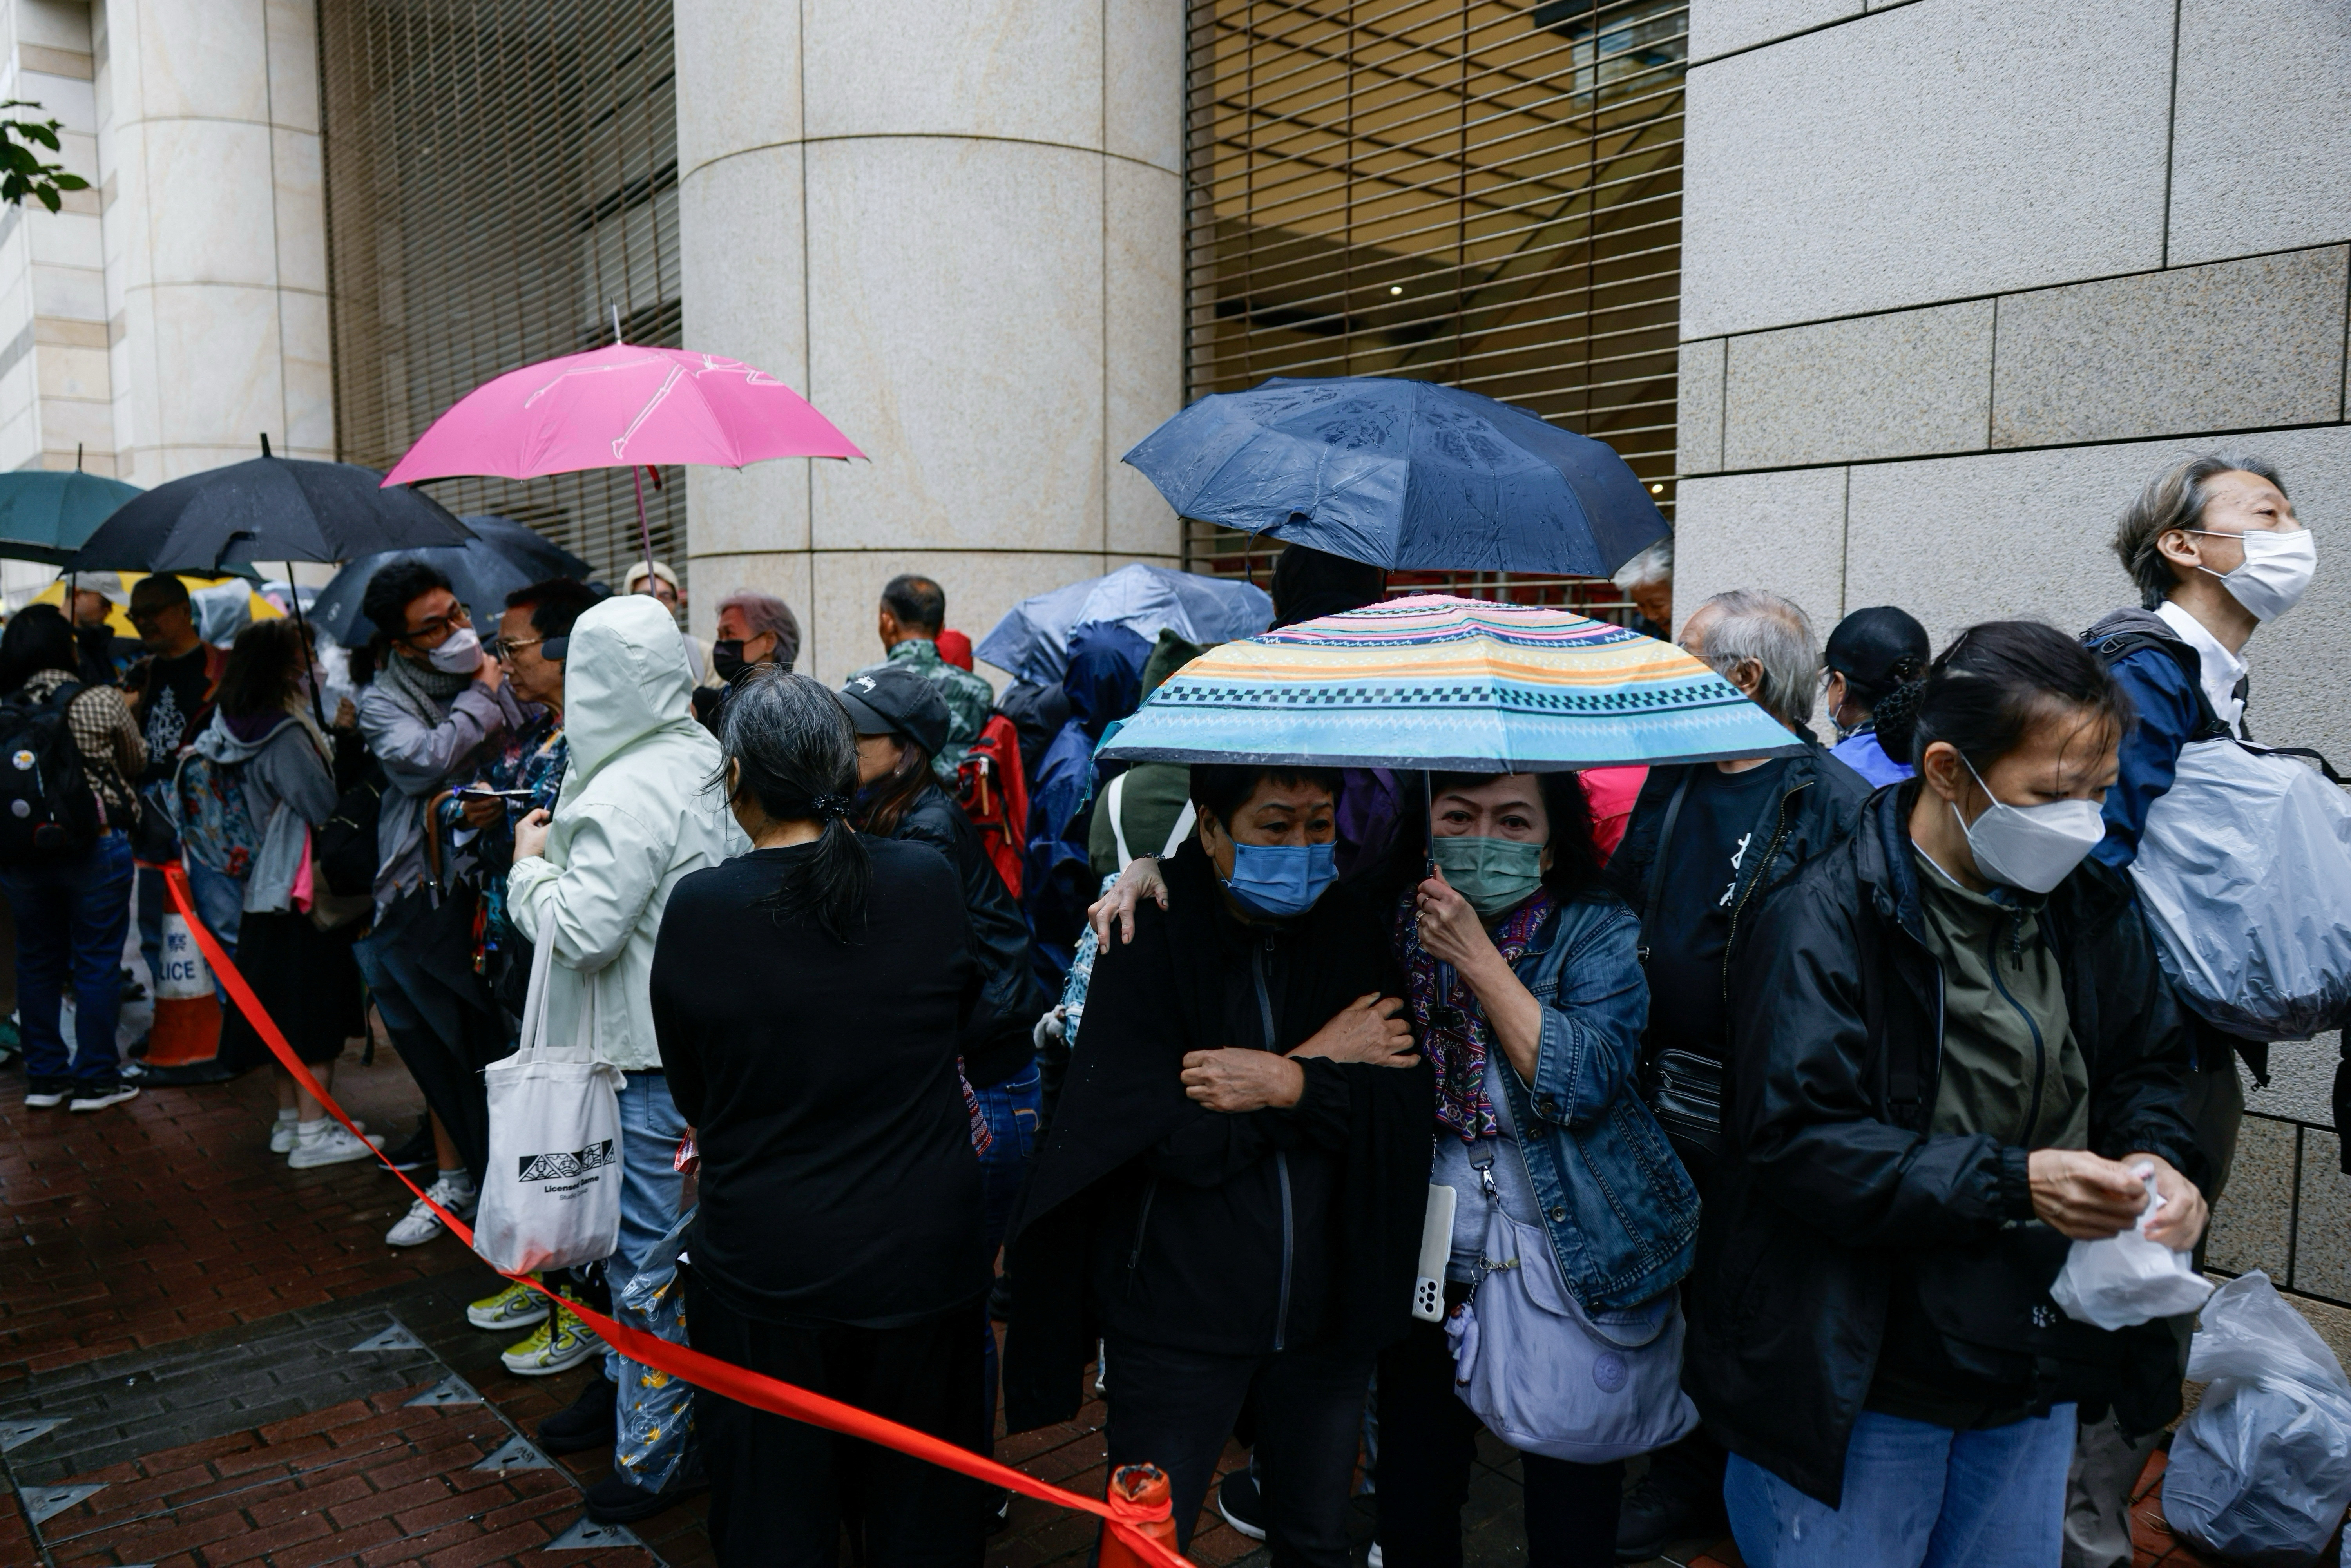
634,815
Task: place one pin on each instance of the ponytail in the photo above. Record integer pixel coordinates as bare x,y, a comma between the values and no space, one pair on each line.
792,747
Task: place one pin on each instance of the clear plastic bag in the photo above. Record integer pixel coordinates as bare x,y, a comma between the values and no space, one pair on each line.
2260,1470
2244,869
2127,1279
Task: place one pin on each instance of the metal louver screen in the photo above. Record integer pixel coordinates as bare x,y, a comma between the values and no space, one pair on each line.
501,175
1485,193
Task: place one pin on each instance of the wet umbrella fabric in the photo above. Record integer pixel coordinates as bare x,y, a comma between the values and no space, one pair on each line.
267,510
1032,640
502,556
1439,682
47,514
1404,474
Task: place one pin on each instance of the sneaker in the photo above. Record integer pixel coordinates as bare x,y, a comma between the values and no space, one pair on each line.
1238,1500
416,1152
515,1307
193,1074
561,1344
1656,1514
43,1097
617,1501
588,1422
421,1225
104,1097
333,1147
281,1135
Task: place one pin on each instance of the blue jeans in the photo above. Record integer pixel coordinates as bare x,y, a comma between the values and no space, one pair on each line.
1012,1109
654,1411
71,918
1915,1496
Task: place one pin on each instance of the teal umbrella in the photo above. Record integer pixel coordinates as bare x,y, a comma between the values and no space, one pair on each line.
46,514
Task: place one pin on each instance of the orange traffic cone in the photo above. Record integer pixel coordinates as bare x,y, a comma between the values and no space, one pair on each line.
187,1014
1138,1499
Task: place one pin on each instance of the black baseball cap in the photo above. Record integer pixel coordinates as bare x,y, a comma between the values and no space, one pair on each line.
897,702
1878,648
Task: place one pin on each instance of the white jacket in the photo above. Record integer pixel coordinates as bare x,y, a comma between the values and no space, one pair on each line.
636,813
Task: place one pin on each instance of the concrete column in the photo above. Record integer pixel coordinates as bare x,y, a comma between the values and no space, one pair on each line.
215,232
54,394
958,230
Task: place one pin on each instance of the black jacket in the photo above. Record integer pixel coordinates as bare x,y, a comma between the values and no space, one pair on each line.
1169,1221
998,1045
1816,805
1834,1186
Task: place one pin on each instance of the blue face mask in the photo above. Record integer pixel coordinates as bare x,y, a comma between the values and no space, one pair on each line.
1280,881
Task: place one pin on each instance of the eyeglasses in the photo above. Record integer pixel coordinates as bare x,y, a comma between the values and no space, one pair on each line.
432,630
143,619
504,649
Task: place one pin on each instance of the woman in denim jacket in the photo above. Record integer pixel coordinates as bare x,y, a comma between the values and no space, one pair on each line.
1526,987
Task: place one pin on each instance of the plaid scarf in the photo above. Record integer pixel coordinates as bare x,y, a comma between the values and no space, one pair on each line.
1456,1044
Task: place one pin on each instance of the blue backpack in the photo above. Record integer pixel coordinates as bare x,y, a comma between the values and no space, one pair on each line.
208,808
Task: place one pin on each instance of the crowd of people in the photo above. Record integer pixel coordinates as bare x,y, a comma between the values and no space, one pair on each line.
1786,1081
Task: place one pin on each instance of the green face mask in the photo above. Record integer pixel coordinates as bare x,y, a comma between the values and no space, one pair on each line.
1493,874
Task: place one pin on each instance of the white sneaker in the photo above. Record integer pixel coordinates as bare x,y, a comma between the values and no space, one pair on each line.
281,1135
43,1099
114,1096
333,1147
421,1225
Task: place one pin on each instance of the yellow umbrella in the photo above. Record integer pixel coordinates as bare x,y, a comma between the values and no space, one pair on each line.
117,619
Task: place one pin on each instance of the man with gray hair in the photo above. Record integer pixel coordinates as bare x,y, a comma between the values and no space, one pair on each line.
1648,580
1707,841
754,628
2214,549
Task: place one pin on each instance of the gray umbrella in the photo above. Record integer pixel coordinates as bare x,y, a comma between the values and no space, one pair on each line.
502,556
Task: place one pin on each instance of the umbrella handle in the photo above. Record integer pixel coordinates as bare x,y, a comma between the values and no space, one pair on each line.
645,533
294,595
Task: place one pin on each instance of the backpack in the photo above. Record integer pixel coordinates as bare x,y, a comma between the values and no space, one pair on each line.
993,792
48,812
208,808
344,847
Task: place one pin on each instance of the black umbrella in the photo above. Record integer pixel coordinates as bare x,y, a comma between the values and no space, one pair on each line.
502,556
267,510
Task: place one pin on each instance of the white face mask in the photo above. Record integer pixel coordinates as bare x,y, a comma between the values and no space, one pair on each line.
2276,570
2033,848
460,653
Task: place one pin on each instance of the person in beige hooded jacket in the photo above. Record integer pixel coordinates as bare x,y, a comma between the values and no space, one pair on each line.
635,815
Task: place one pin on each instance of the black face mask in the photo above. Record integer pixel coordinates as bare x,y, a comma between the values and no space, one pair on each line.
726,658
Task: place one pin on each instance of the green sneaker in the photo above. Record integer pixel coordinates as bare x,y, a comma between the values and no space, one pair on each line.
560,1344
515,1307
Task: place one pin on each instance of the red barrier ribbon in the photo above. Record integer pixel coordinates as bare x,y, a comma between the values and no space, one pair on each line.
738,1383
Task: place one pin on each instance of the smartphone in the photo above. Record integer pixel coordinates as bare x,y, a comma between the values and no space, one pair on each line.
512,796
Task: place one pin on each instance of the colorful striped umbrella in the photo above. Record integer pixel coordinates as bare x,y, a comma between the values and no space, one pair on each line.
1439,682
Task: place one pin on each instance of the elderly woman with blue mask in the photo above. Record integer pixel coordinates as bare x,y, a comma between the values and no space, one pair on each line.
1524,979
1233,1182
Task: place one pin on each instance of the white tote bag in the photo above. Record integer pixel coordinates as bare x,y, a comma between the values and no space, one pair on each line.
552,1197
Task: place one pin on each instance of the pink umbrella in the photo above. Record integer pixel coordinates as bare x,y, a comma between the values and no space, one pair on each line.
619,407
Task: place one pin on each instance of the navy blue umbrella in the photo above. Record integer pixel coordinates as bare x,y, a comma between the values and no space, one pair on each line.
501,556
1404,475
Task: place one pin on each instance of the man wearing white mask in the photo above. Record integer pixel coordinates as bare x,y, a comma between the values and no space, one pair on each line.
436,697
2215,549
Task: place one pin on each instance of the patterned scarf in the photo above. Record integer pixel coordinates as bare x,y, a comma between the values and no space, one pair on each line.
1457,1045
426,693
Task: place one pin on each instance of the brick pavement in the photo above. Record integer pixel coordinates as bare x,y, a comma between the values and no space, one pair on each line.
186,1305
